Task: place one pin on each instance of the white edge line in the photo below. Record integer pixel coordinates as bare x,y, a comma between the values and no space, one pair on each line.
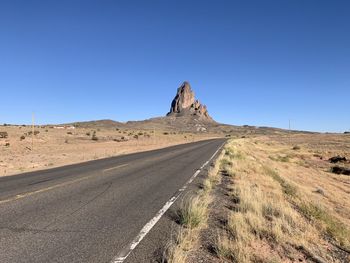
144,231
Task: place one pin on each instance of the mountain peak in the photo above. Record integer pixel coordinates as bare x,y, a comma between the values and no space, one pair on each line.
185,104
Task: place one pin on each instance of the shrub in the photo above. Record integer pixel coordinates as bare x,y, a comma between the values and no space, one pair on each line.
88,134
94,137
35,132
296,147
166,133
7,144
280,158
3,135
22,137
70,133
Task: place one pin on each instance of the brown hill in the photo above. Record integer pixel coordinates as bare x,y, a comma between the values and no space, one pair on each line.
97,124
186,114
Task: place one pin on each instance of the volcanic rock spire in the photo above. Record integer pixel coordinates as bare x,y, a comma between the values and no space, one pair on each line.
185,104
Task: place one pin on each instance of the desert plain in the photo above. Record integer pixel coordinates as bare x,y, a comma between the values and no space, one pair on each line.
55,146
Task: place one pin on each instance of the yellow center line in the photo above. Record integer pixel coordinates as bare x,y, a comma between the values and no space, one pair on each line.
20,196
116,167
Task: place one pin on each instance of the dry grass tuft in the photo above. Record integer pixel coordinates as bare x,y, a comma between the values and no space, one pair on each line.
193,215
288,187
229,249
178,250
193,211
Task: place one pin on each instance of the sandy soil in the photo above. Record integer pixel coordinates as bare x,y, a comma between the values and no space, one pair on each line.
56,147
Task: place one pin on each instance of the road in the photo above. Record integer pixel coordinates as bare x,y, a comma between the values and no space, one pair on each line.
91,212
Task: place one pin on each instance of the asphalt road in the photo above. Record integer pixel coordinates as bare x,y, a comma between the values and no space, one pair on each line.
90,212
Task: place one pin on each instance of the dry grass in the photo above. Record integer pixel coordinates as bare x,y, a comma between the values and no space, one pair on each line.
193,215
288,188
327,207
263,215
280,203
233,250
178,250
328,223
193,211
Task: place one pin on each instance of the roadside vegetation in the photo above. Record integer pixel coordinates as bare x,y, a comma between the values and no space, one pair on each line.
272,209
192,217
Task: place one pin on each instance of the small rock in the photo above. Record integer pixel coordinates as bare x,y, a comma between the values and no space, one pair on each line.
340,170
337,159
319,191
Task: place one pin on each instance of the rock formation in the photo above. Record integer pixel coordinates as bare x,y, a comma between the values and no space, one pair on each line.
185,104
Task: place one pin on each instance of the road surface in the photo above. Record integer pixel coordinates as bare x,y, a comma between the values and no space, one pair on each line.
93,211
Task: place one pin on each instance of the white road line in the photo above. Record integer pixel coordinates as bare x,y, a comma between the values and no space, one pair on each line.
120,258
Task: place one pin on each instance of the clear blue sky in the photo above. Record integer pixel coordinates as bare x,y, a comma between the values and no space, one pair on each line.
251,62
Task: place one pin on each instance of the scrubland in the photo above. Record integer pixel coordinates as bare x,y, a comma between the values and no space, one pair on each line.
274,199
56,147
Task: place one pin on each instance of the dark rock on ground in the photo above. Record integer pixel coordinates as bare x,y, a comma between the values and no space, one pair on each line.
337,159
340,170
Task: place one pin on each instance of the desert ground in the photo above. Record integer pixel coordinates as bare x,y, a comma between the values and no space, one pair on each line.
267,198
270,199
55,146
